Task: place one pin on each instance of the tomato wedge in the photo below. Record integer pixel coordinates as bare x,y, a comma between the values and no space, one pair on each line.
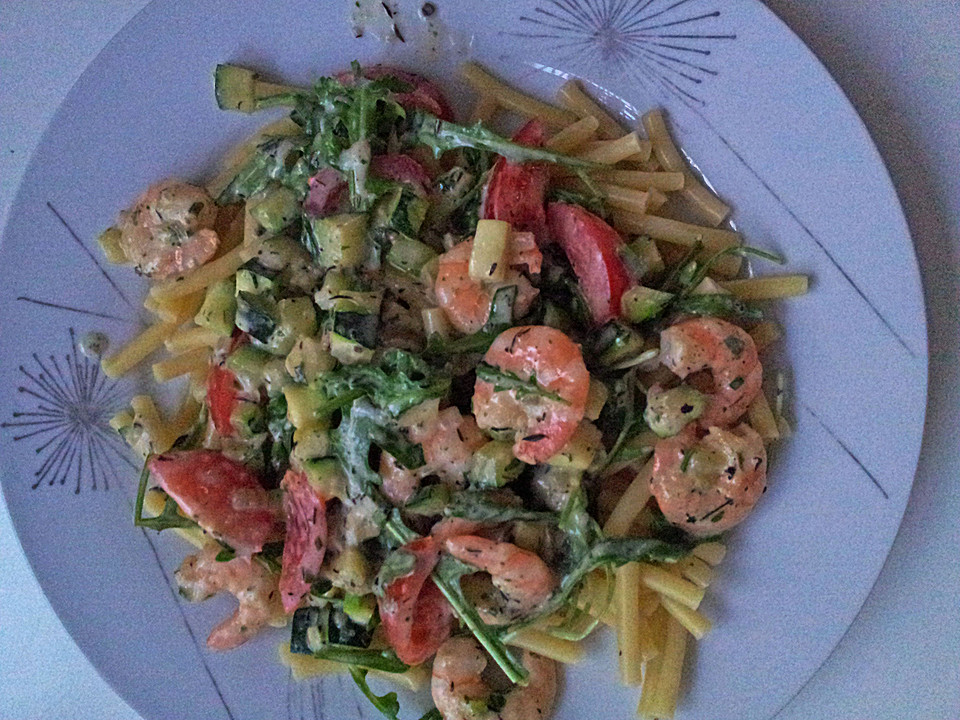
516,192
306,538
416,616
222,398
591,247
224,497
402,169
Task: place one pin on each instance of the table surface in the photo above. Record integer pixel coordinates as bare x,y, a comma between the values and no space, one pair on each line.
899,62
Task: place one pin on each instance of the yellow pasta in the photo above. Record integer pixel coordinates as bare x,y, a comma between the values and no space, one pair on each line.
681,233
559,649
485,109
137,350
595,597
640,180
109,242
182,364
762,419
610,152
668,682
177,309
630,504
512,99
695,570
769,287
573,136
573,98
647,707
669,585
711,553
694,621
625,198
185,417
205,275
714,210
656,199
630,624
190,339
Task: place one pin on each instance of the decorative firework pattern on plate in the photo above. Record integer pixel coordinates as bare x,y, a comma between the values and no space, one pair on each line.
662,44
69,403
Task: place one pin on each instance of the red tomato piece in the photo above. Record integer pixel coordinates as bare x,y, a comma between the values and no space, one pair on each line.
224,497
416,616
516,192
326,193
305,541
222,397
591,247
423,95
402,169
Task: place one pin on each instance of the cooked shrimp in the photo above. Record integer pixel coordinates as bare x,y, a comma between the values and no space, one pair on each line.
449,441
465,301
461,694
543,423
201,576
730,355
708,485
169,229
522,577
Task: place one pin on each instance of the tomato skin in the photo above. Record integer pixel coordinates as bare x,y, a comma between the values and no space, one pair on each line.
225,497
402,169
592,246
305,541
222,397
516,192
327,193
416,616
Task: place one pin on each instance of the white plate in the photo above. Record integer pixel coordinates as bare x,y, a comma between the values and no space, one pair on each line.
762,119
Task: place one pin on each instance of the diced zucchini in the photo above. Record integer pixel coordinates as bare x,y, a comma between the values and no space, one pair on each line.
357,327
670,411
642,257
581,450
109,242
123,419
308,360
488,261
621,346
338,241
501,308
349,352
248,362
238,88
359,608
250,280
410,256
298,318
556,317
326,477
494,465
219,308
312,443
336,294
275,208
641,303
248,419
435,322
256,315
302,404
350,570
429,500
400,210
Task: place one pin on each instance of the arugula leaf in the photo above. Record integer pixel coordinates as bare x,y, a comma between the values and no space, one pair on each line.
396,383
281,433
277,159
482,507
724,306
503,380
364,425
442,135
387,704
169,517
